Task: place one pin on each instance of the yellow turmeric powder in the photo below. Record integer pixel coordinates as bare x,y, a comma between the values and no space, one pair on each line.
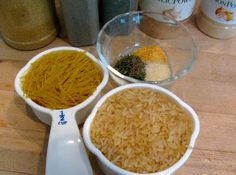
151,54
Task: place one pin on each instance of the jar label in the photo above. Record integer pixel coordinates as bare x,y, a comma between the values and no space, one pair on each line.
222,11
178,9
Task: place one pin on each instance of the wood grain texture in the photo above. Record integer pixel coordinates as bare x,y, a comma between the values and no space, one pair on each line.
210,88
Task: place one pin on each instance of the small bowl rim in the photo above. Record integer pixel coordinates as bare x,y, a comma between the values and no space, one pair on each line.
171,79
77,107
104,160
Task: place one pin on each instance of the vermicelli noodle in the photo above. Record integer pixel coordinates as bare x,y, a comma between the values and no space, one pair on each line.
61,79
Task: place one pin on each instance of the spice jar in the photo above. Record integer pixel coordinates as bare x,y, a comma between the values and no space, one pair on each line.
81,21
27,24
110,9
177,9
217,18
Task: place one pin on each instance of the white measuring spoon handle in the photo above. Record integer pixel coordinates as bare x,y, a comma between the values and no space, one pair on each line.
66,154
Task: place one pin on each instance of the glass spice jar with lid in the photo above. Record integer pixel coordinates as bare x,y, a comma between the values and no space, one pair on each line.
217,18
27,24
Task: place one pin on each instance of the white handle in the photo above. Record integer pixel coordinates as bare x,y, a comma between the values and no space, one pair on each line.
66,154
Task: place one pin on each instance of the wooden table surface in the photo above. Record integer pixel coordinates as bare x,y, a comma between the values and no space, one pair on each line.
210,88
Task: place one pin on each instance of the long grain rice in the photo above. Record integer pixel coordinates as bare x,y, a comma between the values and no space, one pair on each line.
141,130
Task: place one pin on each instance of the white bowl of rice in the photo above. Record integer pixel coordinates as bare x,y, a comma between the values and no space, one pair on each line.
139,129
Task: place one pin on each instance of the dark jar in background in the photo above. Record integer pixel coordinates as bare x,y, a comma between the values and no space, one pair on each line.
111,8
27,24
81,21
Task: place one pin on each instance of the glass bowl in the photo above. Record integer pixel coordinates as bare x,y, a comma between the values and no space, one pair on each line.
127,32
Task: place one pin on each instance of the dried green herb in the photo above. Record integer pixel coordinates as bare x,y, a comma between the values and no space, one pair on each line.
132,66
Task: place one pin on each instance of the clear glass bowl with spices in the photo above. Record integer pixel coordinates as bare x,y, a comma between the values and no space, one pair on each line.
146,47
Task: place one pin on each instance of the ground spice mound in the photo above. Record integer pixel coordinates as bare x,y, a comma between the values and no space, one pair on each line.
150,54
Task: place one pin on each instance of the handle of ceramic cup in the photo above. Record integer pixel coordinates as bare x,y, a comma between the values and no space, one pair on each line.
66,153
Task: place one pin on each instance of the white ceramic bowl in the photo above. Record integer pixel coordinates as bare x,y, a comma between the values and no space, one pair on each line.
66,153
111,169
